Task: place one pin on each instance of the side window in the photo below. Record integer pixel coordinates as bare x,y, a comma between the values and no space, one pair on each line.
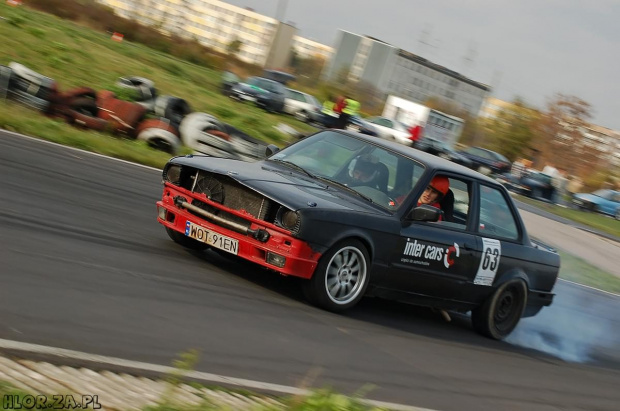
496,218
455,204
452,196
388,123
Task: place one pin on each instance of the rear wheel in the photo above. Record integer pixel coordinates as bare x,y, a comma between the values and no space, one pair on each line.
301,116
185,241
341,277
501,312
617,215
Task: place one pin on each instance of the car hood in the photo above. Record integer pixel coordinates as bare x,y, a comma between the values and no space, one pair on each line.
283,184
588,197
249,89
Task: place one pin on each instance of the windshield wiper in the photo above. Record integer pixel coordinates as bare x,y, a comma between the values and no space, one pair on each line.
295,166
346,187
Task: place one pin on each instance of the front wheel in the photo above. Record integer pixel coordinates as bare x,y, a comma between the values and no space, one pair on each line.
341,277
501,312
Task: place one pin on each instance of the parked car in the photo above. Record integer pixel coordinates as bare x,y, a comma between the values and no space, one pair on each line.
392,130
532,184
339,210
356,123
301,105
600,201
441,149
229,79
266,93
487,161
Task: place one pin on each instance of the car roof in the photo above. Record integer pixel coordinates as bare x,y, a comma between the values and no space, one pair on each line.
431,161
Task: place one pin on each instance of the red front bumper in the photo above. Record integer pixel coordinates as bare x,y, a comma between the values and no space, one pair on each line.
301,260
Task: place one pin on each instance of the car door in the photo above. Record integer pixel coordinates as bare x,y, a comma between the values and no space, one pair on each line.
501,232
437,259
606,204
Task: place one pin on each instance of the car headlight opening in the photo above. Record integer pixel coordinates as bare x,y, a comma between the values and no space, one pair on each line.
172,174
289,220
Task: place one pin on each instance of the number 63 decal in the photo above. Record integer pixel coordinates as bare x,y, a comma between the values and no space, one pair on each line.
491,255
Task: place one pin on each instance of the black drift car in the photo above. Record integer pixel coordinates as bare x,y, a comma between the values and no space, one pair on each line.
340,210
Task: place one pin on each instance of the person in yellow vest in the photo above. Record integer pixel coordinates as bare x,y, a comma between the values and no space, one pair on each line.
351,108
330,116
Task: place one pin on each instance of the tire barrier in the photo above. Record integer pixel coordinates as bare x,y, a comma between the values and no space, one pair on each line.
144,88
83,112
30,88
123,116
196,134
5,79
82,120
65,100
160,139
159,134
207,135
173,108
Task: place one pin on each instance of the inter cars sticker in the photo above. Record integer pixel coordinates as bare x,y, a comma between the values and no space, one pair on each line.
491,254
424,254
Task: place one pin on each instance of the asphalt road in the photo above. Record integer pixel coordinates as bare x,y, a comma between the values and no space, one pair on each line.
85,266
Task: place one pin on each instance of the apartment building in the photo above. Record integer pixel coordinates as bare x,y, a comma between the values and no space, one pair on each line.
395,71
264,40
307,48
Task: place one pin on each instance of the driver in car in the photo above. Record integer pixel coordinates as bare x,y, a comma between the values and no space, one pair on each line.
434,192
364,172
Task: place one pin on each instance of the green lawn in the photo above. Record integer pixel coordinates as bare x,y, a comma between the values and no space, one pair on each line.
577,270
596,221
76,56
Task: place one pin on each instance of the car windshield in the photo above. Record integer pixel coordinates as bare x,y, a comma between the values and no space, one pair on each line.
499,157
602,193
378,174
314,101
252,81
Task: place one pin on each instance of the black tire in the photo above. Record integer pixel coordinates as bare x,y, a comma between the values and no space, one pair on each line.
185,241
85,105
346,268
302,116
501,312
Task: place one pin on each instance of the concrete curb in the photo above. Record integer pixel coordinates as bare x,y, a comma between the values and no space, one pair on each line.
125,384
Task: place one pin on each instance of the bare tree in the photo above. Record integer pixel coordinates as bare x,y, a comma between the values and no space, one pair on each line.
562,130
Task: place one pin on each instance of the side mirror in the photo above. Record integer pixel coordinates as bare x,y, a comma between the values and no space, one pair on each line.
271,150
424,212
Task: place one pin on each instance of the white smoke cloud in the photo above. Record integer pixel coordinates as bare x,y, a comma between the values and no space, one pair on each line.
580,326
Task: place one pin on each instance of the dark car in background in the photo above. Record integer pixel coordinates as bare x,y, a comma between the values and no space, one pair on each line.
441,149
532,184
265,93
229,79
356,123
486,161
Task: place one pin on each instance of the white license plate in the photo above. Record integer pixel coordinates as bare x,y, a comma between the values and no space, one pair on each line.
213,239
248,98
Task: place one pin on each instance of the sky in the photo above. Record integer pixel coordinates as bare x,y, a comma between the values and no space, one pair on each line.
531,49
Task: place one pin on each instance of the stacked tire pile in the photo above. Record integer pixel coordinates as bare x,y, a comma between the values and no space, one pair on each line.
21,84
164,122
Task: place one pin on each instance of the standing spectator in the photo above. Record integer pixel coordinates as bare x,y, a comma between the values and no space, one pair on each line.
351,108
416,133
